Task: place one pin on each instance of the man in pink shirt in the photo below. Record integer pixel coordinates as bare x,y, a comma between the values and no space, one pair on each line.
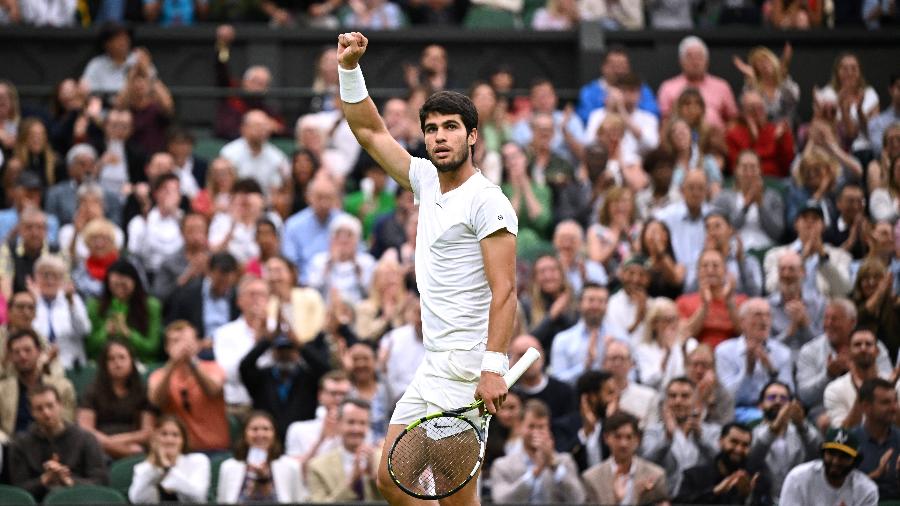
693,56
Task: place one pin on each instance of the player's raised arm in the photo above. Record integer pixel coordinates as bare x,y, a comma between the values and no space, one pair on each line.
361,113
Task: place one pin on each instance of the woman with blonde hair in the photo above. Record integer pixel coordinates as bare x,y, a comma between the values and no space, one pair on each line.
10,114
610,240
661,352
679,139
215,196
382,310
766,73
99,236
301,309
857,101
170,473
550,307
816,177
877,307
33,149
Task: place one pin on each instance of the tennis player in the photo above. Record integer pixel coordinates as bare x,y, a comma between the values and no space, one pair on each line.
465,258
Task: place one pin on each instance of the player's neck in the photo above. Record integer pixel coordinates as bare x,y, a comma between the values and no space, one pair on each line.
454,179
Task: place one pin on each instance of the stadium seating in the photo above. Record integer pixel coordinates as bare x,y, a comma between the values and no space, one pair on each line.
82,377
122,471
215,462
85,494
10,496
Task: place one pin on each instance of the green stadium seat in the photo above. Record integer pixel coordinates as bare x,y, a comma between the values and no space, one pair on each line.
286,145
10,496
482,17
122,471
208,147
215,462
84,494
81,377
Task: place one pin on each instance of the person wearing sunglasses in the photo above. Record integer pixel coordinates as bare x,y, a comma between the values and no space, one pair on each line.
784,438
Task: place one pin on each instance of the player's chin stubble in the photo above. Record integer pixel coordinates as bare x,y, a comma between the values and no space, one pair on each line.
450,165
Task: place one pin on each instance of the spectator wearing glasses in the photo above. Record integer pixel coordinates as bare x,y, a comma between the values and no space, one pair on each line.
191,389
784,438
713,398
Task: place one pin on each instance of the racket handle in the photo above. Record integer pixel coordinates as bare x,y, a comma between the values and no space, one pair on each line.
515,372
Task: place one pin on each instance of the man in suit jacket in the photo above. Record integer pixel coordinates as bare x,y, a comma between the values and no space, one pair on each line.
347,473
209,302
23,350
624,478
540,475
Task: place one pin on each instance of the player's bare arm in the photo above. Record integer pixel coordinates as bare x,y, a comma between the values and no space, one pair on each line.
499,253
363,117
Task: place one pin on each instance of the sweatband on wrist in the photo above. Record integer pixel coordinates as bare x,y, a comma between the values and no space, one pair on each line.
352,85
495,362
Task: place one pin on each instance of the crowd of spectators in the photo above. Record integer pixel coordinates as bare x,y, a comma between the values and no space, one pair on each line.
713,281
389,15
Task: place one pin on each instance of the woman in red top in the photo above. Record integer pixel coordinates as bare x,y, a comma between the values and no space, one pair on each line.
711,313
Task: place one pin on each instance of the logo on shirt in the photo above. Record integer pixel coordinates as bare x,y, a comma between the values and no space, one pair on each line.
499,216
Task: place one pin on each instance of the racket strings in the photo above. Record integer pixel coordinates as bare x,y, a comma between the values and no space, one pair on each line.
437,456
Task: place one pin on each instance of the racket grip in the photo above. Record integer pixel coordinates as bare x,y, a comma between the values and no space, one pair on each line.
515,372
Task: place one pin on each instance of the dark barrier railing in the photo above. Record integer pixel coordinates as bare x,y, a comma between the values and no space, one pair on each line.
36,59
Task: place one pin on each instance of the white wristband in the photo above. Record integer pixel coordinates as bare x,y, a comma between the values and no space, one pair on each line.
352,85
495,362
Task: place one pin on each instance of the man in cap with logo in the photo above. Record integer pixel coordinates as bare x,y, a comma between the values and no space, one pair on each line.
832,479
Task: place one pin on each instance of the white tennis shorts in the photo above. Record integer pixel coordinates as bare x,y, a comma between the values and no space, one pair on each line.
444,380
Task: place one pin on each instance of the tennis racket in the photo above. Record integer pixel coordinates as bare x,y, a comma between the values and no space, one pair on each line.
439,454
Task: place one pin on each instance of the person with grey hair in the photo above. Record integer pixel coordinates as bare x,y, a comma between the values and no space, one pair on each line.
827,356
62,198
90,196
19,253
254,156
746,363
693,56
60,315
343,268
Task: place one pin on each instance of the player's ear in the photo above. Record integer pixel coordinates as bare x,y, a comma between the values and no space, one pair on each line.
473,137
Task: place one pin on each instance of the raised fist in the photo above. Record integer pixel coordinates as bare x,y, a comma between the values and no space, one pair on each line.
351,47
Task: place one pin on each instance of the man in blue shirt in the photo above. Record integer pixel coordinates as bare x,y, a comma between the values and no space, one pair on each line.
615,65
748,362
582,347
307,232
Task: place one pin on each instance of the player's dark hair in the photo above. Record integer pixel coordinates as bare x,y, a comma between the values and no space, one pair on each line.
733,425
867,389
450,102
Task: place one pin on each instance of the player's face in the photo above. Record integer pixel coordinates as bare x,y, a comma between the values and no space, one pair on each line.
446,141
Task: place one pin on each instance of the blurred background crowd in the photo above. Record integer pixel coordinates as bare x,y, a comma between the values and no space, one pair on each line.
703,265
